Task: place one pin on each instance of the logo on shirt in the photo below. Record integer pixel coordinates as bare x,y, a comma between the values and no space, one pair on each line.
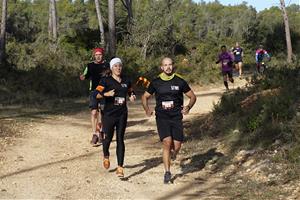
124,85
174,87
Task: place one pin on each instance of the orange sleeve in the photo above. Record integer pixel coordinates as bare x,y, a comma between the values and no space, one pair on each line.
100,88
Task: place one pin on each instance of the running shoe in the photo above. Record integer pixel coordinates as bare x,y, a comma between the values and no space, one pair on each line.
94,140
167,177
120,172
106,163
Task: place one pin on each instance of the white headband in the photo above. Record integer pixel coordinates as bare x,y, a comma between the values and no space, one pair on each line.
114,61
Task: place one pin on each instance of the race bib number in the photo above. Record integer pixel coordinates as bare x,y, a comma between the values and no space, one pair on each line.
167,105
119,101
225,62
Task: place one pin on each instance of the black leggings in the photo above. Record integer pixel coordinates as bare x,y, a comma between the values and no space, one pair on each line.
109,124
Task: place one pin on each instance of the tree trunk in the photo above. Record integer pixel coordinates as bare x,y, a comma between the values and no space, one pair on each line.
112,27
3,31
52,21
128,6
145,46
100,21
287,32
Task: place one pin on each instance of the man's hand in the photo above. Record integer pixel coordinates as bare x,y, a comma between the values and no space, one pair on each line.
185,110
82,77
110,93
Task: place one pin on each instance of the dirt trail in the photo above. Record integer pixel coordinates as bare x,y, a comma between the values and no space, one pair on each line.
56,161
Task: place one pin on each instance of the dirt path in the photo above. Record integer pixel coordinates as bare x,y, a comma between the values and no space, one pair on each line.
56,161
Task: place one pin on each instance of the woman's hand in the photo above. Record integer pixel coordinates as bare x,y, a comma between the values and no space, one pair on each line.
110,93
132,98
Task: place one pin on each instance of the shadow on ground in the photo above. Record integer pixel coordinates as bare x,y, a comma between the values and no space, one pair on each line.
138,134
146,164
29,169
196,162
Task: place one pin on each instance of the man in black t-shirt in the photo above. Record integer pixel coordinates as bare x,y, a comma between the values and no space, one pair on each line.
95,71
169,89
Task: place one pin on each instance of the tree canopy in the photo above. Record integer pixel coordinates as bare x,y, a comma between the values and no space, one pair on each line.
177,28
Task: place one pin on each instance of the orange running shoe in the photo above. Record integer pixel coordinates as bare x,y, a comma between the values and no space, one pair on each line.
120,172
106,163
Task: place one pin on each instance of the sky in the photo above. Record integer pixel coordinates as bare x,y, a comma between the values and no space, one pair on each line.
259,5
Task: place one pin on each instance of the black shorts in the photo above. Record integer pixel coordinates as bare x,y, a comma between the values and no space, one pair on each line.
95,104
229,73
170,127
238,61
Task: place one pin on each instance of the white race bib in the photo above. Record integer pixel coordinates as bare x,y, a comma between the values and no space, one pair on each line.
119,101
225,61
167,105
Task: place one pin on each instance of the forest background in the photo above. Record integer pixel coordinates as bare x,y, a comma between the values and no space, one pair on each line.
190,32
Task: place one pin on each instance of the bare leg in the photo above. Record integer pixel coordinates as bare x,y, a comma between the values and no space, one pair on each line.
176,147
237,67
167,143
240,68
94,120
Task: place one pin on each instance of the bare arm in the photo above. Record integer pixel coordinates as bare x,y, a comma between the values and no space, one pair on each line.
145,98
191,95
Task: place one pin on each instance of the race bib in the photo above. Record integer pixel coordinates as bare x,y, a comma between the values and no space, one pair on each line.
167,105
237,53
225,62
119,101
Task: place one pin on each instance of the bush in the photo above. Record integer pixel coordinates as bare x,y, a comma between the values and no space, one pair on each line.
267,118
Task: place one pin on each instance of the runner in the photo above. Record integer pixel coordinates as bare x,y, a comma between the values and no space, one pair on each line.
238,58
114,89
259,57
169,89
226,59
95,71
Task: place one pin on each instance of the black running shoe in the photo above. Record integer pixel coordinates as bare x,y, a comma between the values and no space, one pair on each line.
167,177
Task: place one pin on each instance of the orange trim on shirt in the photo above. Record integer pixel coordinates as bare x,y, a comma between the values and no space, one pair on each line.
100,88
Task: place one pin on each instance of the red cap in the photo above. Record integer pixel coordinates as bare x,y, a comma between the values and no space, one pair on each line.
101,50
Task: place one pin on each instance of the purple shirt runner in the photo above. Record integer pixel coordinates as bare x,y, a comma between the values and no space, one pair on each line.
225,58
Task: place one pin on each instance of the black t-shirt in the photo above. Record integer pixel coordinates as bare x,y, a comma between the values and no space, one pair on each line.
169,96
96,71
237,52
116,105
